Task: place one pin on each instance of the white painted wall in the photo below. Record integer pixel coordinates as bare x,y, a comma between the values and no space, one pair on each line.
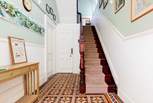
67,36
130,60
14,88
87,7
50,47
67,11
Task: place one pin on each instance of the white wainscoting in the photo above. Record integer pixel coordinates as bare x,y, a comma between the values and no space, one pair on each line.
12,90
130,60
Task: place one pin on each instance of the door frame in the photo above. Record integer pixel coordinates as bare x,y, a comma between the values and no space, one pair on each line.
48,25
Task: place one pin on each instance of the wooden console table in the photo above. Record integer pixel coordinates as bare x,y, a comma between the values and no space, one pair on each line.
30,73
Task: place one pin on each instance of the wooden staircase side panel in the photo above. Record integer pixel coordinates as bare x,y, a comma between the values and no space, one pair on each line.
106,70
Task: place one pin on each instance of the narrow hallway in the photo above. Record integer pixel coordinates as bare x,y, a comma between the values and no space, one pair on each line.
64,88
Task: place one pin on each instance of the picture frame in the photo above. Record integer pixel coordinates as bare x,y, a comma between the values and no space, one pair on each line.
118,5
17,50
100,3
140,8
105,2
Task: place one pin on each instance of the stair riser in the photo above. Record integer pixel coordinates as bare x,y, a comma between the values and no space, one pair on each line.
94,64
93,67
92,61
95,90
93,51
91,46
90,40
90,36
95,60
94,72
95,55
92,56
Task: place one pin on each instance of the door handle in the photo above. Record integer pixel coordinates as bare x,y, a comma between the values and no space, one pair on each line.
71,52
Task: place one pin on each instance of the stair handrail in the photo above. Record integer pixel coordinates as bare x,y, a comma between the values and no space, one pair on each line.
82,61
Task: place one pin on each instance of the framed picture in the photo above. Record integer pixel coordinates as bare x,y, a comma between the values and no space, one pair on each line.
105,2
118,5
100,3
140,8
17,50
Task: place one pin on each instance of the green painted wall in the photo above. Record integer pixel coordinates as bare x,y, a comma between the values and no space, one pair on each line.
86,7
7,28
122,20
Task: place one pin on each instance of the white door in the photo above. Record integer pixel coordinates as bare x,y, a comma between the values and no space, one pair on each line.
65,48
50,52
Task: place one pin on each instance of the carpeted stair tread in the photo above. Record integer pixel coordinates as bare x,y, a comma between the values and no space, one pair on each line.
93,70
97,90
91,51
90,39
93,67
91,55
95,61
95,83
92,59
95,79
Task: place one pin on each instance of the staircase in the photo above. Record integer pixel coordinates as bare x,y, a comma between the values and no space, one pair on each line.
98,78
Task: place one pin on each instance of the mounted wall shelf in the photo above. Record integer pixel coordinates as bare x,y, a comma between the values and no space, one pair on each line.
30,73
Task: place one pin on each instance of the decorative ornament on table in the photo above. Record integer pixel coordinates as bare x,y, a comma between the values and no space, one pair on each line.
27,5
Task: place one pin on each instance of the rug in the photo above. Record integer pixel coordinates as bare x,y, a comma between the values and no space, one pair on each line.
64,88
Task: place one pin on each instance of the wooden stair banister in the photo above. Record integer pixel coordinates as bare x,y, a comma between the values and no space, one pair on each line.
82,61
82,66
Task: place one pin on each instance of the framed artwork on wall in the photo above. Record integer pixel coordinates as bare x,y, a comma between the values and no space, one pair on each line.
118,5
105,2
140,8
17,50
100,3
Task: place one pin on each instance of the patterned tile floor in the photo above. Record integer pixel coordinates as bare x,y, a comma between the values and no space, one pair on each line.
64,88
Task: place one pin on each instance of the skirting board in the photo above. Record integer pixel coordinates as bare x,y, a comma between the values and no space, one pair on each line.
123,95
